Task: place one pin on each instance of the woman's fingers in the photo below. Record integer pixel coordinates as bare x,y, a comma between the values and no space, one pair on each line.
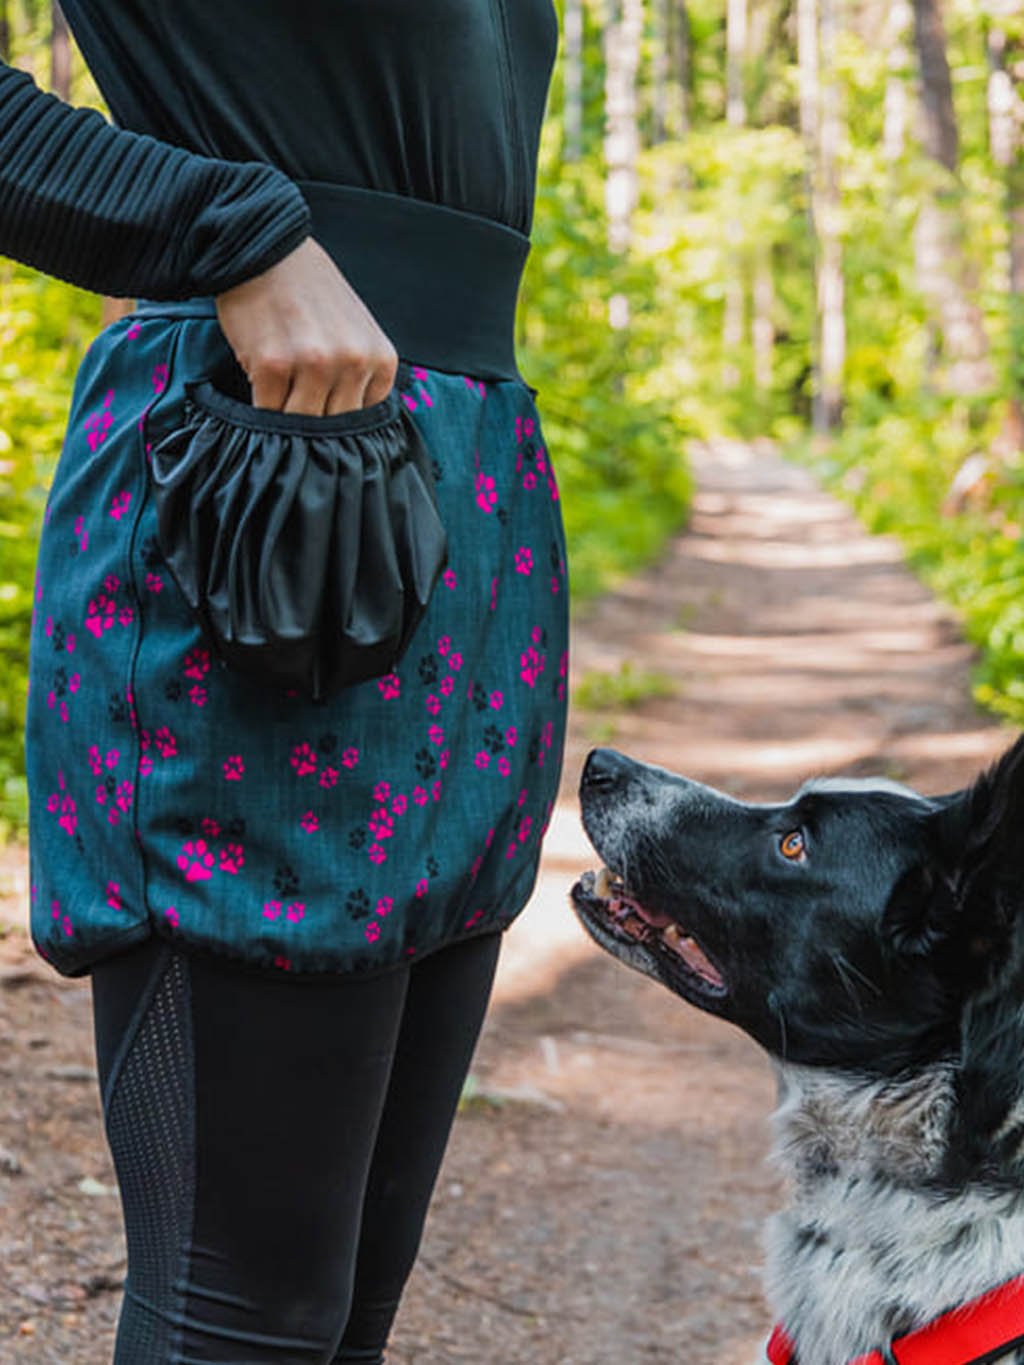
305,338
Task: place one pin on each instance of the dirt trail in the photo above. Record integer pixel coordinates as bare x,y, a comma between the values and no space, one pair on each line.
602,1197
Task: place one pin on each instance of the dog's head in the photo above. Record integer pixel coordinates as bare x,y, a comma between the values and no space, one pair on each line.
850,927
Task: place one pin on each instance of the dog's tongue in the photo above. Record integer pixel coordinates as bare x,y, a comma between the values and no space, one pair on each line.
692,954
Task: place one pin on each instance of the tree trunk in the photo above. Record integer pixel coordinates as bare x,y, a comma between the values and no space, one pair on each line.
830,282
945,275
621,143
680,63
733,322
807,63
60,53
897,81
623,34
1005,115
572,81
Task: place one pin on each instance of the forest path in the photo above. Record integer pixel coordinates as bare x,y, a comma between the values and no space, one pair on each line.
602,1197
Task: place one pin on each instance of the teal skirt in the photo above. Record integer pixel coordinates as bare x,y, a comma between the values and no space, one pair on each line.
169,795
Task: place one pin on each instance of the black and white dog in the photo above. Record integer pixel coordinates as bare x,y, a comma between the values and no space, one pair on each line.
872,941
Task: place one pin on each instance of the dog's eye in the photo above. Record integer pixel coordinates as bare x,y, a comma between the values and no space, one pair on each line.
791,846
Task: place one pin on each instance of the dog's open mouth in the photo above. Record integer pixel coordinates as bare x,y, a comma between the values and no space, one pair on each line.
606,903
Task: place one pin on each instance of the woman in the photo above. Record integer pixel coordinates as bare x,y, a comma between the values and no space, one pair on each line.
290,908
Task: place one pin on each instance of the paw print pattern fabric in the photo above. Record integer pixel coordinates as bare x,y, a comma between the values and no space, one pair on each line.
169,794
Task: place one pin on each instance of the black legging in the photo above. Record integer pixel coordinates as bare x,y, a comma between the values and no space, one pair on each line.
276,1145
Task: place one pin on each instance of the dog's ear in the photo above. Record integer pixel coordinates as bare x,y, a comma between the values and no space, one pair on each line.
968,885
921,911
990,860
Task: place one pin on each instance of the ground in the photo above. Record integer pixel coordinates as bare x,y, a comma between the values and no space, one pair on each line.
603,1194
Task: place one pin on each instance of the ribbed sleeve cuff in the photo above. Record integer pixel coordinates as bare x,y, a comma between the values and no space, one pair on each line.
125,214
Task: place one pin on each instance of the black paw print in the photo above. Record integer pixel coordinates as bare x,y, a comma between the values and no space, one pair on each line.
79,842
433,867
183,825
435,465
529,447
57,638
427,669
357,903
172,689
478,696
534,749
235,829
117,707
286,883
426,764
73,546
502,515
60,681
357,837
327,743
110,784
494,740
555,557
151,556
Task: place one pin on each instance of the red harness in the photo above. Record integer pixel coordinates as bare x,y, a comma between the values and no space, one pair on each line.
969,1335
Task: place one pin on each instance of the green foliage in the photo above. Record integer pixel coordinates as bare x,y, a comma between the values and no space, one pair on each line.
607,399
45,326
620,691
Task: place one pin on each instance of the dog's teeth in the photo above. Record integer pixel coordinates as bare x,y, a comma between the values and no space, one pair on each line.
602,884
672,934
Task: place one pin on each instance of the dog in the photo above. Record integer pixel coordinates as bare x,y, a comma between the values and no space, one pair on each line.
871,940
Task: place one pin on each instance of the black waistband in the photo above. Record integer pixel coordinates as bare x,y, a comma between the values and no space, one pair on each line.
443,284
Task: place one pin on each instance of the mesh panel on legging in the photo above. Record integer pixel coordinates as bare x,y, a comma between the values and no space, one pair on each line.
150,1122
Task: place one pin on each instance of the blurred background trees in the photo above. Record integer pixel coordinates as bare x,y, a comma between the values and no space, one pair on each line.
795,218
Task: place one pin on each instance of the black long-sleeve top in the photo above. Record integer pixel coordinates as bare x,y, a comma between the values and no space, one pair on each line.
219,105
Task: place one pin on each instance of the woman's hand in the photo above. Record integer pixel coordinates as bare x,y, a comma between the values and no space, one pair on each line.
305,338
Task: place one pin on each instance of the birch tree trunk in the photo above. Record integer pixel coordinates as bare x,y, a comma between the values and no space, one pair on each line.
572,81
944,272
830,283
898,80
60,53
1005,117
623,33
736,117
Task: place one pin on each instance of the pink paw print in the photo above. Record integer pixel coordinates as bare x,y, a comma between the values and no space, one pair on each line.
385,905
234,767
197,695
524,560
382,824
329,777
372,932
449,578
154,583
295,912
196,860
486,492
310,822
209,826
232,858
531,666
303,759
376,854
97,424
114,896
381,792
197,664
350,758
120,504
390,686
99,614
171,916
165,742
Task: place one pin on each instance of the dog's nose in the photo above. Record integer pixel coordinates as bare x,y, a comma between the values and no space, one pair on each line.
604,768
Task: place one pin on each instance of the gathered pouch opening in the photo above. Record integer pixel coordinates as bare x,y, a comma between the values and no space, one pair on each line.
307,547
